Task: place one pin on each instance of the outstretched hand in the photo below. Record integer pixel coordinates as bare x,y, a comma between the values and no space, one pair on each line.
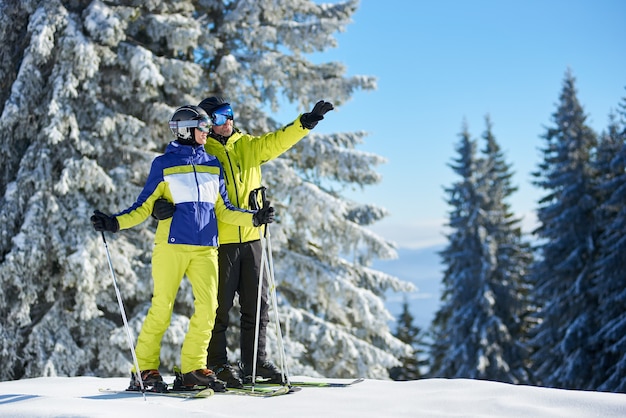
309,120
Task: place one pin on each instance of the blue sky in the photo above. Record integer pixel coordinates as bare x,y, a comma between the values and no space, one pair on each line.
441,62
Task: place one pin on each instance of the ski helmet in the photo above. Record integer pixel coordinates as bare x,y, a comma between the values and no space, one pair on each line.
211,103
185,119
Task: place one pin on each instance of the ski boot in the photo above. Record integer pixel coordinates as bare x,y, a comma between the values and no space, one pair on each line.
266,372
197,379
227,374
152,381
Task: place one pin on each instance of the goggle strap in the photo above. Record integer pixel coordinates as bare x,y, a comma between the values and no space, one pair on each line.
175,124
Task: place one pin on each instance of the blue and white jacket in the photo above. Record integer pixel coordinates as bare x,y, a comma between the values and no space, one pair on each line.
194,181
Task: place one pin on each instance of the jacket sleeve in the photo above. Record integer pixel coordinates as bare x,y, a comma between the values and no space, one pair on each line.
273,144
142,208
228,213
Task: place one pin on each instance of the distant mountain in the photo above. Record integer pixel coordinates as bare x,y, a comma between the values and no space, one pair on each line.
422,268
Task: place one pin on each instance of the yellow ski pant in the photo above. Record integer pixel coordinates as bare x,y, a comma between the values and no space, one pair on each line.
170,262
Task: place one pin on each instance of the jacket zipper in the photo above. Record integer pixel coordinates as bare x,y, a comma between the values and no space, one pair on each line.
195,173
230,165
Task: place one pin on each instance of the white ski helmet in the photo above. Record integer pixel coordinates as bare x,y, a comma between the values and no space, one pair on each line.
185,119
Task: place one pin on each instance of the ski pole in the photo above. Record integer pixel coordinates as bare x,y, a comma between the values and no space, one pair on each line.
267,262
123,312
254,204
257,324
272,286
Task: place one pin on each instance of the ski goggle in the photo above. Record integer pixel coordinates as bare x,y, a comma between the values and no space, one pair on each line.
203,124
222,114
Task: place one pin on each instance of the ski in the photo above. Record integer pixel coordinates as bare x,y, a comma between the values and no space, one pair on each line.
186,394
291,388
264,391
321,384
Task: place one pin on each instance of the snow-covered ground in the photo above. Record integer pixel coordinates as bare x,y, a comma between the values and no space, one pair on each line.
80,397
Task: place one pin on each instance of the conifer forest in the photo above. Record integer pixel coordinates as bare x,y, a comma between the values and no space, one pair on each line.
87,89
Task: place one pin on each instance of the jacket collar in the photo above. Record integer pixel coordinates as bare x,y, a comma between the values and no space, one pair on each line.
177,148
224,139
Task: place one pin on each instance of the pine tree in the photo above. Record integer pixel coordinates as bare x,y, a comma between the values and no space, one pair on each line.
90,94
478,329
448,355
412,335
567,233
609,279
513,256
87,92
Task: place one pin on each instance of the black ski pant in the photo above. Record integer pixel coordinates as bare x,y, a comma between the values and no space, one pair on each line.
239,266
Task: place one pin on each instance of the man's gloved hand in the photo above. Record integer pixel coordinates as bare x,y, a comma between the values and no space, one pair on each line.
102,222
309,120
263,216
163,209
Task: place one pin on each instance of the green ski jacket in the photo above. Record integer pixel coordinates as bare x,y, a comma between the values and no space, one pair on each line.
241,158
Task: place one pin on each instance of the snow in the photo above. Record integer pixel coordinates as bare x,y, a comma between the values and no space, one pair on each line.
80,397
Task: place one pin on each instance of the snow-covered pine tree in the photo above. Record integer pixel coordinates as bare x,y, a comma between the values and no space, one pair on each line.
449,356
89,90
609,277
477,330
92,86
563,356
507,280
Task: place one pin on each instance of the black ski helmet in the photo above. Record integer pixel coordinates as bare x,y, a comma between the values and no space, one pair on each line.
184,131
211,103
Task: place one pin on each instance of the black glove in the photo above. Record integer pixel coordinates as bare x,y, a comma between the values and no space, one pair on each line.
163,209
263,216
309,120
102,222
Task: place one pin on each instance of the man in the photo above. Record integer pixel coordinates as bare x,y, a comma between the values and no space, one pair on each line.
240,249
185,245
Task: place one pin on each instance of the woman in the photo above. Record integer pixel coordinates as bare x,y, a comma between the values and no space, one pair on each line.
185,244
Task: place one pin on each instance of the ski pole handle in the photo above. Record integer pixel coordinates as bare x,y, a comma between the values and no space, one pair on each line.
253,199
